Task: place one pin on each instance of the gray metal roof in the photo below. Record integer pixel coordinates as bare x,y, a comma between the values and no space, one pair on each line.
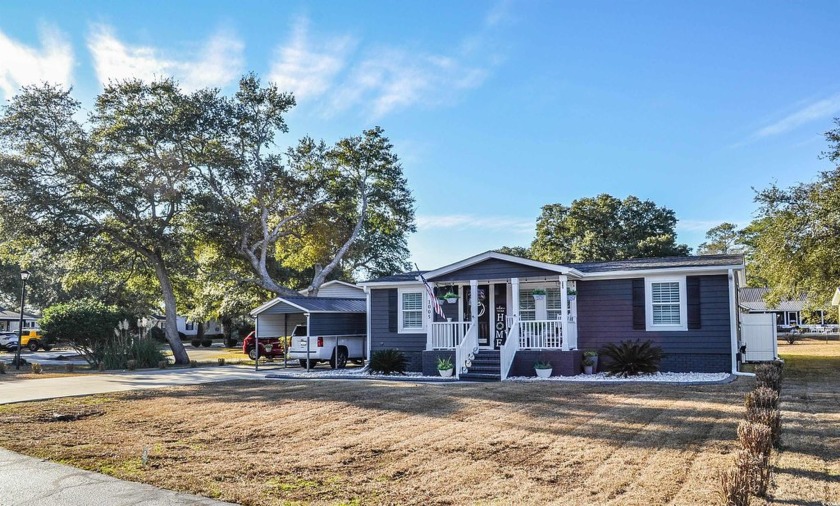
396,278
753,300
313,305
15,315
614,266
659,263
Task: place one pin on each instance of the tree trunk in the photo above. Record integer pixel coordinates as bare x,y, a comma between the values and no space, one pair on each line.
199,331
170,310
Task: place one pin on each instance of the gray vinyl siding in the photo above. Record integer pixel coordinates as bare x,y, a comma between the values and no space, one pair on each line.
381,338
339,290
605,315
494,269
330,324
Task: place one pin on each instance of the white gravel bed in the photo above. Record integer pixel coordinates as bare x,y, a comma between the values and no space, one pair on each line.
663,377
355,372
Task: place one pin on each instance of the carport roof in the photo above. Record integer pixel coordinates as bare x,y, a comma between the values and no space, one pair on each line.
315,305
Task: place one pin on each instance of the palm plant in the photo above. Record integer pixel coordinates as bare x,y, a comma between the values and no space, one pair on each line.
631,358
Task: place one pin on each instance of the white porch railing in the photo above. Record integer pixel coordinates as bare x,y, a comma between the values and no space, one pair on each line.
509,349
540,334
447,335
465,352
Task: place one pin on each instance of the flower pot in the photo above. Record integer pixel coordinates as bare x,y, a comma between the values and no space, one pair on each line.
543,373
539,297
572,297
452,300
446,372
588,369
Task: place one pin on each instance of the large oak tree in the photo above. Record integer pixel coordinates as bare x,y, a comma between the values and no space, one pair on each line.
605,228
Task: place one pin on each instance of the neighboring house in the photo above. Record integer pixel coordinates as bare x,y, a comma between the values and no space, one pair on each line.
189,328
788,312
9,321
686,305
339,289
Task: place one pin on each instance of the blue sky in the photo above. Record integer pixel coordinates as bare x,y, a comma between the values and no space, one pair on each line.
495,108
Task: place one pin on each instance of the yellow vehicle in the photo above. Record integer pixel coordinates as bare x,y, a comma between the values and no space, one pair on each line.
33,339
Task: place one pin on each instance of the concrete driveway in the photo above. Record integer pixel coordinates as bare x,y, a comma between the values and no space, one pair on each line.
26,481
49,388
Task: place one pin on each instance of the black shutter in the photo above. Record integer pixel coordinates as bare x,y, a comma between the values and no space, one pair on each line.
639,304
392,310
692,289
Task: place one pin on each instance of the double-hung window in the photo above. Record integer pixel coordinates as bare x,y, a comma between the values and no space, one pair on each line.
552,303
666,303
411,311
527,306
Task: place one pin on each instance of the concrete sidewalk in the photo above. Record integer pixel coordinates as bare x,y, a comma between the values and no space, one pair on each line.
28,481
50,388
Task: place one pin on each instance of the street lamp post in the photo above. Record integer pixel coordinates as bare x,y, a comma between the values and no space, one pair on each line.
24,275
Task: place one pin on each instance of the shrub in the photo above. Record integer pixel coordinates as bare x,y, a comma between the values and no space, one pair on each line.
388,361
772,418
770,376
2,367
162,364
221,362
542,365
86,324
193,364
757,470
734,486
444,363
131,365
630,358
36,368
756,438
157,334
762,398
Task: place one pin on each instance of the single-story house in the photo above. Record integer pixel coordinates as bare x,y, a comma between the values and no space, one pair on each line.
10,320
499,323
190,328
788,312
339,289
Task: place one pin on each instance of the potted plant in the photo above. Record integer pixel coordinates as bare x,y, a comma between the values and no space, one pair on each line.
538,293
592,355
445,367
588,365
450,297
543,369
571,293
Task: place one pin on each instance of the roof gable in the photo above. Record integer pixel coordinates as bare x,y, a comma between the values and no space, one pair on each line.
312,305
494,265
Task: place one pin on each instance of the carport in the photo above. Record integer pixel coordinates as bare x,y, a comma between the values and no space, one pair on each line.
321,315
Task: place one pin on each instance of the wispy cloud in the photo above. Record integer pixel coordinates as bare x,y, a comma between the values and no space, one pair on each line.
813,111
338,73
472,222
21,64
705,225
308,69
218,62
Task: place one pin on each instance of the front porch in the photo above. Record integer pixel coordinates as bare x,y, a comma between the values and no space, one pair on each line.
535,315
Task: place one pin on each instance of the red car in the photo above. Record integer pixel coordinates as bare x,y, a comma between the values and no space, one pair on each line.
270,347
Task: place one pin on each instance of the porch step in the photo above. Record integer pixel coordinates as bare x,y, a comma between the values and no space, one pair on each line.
485,367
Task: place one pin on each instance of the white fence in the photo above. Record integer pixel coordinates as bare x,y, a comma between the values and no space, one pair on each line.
509,349
447,335
465,352
540,334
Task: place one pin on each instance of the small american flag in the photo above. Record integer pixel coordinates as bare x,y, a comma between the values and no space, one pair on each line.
432,298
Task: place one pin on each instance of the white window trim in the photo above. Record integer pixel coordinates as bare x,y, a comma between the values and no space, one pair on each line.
423,297
650,326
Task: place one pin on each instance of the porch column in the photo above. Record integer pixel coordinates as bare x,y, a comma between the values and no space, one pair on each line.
474,302
514,285
564,312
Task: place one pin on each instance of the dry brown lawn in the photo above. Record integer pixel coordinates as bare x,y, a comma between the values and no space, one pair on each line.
349,442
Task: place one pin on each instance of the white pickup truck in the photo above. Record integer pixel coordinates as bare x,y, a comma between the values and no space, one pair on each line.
336,350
